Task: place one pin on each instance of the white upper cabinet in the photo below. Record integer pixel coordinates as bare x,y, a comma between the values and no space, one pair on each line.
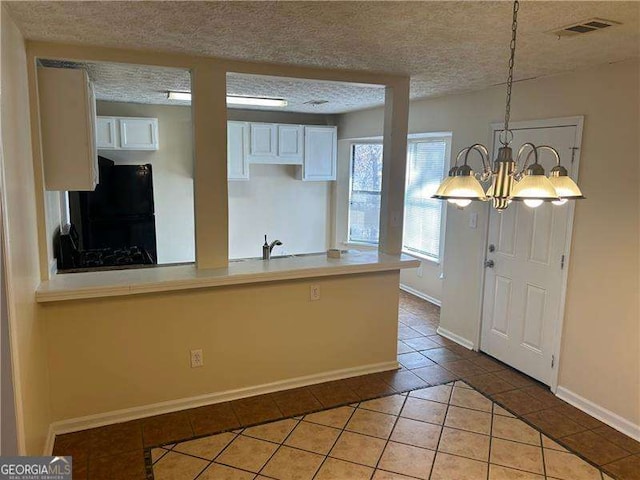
320,153
291,143
237,151
264,140
106,133
127,133
312,148
68,129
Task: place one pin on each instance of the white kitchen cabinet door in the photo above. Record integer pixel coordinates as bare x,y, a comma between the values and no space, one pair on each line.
138,133
67,127
264,141
320,153
237,151
291,143
106,133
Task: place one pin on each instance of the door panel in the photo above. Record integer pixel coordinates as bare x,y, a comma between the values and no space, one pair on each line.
502,297
534,317
521,306
507,233
541,235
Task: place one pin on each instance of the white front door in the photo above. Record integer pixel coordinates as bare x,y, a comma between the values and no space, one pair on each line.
524,287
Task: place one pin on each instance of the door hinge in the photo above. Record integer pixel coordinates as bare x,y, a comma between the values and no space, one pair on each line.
553,360
562,262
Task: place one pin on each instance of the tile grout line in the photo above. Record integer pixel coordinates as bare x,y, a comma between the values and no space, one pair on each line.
404,402
342,430
446,412
493,408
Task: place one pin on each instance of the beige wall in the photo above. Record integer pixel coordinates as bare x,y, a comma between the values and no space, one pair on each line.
172,167
600,355
27,329
118,353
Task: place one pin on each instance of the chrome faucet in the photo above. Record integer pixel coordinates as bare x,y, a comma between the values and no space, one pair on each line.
267,248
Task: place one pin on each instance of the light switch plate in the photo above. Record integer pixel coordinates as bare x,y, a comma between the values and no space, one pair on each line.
473,220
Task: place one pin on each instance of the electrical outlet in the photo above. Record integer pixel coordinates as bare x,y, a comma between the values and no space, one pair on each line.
197,360
314,292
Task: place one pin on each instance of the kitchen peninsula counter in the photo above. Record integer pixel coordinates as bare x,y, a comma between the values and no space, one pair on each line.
62,287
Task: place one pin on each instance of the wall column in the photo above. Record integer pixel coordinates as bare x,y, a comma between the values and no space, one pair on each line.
209,91
394,165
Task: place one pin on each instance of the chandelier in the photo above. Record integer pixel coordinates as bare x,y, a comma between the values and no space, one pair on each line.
509,180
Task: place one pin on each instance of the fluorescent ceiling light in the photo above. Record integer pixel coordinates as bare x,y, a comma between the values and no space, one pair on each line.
235,100
257,101
184,96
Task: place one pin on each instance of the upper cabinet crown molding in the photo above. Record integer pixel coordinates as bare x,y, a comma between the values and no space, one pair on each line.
68,129
127,133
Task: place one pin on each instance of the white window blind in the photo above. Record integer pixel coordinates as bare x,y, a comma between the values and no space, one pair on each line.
422,214
364,198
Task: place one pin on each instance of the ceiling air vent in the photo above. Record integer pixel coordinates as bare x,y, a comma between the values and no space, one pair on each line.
315,103
591,25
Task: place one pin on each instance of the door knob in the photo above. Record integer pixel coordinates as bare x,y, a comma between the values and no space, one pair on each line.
492,248
489,264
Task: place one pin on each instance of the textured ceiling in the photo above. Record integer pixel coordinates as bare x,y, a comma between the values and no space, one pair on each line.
445,47
145,84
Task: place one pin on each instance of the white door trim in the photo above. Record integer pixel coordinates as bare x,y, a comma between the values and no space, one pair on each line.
578,122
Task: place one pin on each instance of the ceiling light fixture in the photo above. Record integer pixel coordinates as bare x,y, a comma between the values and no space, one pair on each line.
528,184
182,96
256,101
235,100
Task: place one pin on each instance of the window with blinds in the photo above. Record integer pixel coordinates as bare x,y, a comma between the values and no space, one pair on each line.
427,160
364,198
427,163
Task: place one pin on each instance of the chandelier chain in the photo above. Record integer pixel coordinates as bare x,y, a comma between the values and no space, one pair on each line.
514,28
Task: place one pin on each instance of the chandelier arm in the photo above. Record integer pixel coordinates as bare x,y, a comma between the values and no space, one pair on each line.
521,150
460,153
484,155
552,150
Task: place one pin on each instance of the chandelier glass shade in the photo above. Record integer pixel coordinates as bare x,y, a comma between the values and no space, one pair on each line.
508,181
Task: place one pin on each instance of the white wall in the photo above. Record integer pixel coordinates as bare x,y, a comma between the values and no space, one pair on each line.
600,355
172,167
276,203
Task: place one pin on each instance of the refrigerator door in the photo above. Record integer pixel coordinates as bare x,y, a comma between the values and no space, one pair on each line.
124,191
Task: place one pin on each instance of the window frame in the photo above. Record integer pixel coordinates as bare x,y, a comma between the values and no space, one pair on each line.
447,137
352,146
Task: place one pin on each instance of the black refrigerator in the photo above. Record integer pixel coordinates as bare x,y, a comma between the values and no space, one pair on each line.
119,213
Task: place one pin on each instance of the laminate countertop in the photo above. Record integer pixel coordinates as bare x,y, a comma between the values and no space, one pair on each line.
73,286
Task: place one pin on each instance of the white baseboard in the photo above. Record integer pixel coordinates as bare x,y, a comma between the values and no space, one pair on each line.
607,416
134,413
455,338
420,294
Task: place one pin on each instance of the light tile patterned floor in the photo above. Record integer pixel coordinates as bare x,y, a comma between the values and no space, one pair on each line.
447,432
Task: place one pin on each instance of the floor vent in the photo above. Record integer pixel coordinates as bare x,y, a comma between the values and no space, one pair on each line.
591,25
